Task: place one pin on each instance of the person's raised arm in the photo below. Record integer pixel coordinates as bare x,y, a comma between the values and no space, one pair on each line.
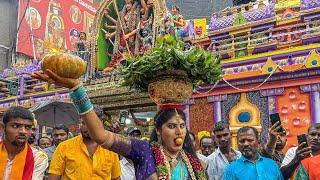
106,139
269,148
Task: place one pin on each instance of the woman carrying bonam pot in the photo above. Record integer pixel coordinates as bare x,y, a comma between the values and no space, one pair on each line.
169,154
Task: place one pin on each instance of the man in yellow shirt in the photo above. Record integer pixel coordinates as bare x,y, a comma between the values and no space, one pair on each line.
82,158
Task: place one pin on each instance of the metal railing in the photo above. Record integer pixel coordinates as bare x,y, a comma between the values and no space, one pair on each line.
279,36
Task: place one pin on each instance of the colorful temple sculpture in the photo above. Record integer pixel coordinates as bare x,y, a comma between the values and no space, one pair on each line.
269,53
129,27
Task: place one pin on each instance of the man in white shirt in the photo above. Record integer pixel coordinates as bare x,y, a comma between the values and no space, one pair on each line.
291,153
127,170
224,155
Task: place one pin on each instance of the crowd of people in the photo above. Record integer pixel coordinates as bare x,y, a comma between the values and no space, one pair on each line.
81,157
170,153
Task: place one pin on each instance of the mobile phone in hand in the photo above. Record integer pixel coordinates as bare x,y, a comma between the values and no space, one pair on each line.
302,138
274,118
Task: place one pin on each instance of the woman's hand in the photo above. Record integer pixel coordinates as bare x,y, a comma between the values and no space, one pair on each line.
52,77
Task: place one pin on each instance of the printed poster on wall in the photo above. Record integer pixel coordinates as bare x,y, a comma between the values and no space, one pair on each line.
200,28
53,24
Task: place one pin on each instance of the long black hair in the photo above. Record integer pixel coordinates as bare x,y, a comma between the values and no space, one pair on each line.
162,117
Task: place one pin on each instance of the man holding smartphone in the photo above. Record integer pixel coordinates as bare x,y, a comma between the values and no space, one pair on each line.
291,162
309,167
277,140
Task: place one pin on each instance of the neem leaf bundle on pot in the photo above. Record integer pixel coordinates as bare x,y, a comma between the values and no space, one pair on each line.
170,60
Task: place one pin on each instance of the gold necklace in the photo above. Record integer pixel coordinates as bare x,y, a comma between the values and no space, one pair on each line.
173,158
184,158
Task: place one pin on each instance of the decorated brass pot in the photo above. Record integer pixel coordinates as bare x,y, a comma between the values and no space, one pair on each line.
170,87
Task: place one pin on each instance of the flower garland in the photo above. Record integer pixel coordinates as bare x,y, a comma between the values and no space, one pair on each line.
195,164
163,169
194,167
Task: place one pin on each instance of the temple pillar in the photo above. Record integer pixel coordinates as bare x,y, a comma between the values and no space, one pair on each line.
216,105
217,111
315,106
314,90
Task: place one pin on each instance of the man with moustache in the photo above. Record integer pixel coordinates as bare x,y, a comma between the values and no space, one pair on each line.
224,155
32,138
251,165
18,159
81,158
296,155
309,167
281,142
207,145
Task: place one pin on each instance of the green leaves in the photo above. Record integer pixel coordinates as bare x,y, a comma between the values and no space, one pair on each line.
170,54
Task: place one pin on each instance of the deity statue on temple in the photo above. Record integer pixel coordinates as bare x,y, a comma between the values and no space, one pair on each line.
178,21
171,22
146,26
125,28
166,24
130,29
146,36
131,33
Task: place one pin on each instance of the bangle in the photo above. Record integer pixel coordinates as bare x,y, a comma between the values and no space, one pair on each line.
81,100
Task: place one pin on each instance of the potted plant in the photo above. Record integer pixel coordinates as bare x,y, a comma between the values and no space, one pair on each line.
169,70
